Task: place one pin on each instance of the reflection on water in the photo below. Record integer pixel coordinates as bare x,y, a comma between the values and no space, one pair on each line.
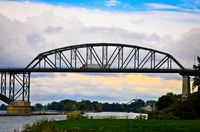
11,123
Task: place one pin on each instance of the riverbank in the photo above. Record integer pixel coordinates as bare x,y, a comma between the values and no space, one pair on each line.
4,113
11,123
121,125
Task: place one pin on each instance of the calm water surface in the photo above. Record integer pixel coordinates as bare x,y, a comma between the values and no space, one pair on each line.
16,123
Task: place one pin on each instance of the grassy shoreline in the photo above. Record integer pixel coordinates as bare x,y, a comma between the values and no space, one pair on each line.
106,125
121,125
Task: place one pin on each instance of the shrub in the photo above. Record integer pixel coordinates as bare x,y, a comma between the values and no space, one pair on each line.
74,115
141,117
41,126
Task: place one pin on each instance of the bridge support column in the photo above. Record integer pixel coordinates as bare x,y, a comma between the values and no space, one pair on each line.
185,87
19,108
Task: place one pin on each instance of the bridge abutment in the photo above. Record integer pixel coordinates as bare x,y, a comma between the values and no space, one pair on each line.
19,108
185,87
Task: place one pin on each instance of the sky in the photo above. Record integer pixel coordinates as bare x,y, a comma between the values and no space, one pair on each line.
29,27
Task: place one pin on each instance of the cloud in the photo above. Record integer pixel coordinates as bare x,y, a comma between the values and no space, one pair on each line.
22,41
13,42
188,47
110,3
119,33
112,88
52,29
191,3
34,38
138,21
173,23
49,28
161,6
190,6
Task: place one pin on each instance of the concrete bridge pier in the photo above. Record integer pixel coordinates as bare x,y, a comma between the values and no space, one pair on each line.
185,87
19,108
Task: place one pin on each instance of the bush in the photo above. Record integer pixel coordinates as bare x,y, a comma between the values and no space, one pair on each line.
141,117
179,110
41,126
74,115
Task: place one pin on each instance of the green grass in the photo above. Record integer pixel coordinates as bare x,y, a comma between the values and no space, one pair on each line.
114,125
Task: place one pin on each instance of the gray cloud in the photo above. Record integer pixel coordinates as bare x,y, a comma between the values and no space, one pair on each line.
51,29
22,41
12,42
187,47
34,38
119,33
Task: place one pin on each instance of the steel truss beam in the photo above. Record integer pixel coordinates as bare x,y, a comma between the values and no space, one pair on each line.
109,57
105,55
15,86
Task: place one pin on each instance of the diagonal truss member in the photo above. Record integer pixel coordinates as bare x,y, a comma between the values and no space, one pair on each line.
14,86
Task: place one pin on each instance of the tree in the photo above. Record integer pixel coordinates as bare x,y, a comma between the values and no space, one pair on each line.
97,106
151,103
74,107
38,106
166,100
136,105
196,80
3,107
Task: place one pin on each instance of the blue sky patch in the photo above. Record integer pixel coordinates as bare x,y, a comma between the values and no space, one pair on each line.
128,5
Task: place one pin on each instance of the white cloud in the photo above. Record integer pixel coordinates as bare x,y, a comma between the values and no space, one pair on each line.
117,88
161,6
110,3
143,22
186,6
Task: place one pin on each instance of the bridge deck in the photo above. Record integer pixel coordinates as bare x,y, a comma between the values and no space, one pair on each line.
189,72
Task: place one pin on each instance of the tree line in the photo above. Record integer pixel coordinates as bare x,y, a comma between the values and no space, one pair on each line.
87,105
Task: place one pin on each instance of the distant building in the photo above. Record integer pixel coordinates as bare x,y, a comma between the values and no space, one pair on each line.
115,115
149,108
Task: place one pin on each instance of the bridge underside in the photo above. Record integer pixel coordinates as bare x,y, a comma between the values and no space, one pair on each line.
187,72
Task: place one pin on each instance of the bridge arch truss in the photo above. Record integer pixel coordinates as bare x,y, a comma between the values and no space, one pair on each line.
104,56
92,57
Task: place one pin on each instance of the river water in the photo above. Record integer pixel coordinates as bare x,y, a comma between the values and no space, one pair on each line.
16,123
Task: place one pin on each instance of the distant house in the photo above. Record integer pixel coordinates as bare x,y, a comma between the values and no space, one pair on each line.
149,108
115,115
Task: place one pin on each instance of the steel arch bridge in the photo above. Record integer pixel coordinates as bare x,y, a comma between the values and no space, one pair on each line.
92,57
